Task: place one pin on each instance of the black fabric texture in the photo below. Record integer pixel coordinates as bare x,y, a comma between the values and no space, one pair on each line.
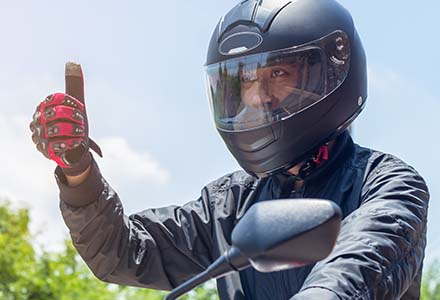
85,193
284,284
378,255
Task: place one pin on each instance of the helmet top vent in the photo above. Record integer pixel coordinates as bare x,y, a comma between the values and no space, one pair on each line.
259,13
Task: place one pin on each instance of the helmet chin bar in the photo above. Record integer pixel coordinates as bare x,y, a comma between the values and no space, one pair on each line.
312,161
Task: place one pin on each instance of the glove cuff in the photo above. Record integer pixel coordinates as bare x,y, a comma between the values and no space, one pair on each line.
79,167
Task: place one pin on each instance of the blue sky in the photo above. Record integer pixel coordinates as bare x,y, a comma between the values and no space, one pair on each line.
145,90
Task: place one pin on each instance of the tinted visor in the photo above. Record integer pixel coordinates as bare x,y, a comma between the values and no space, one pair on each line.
252,91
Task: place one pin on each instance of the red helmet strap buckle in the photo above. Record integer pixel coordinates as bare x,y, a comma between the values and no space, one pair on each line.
312,163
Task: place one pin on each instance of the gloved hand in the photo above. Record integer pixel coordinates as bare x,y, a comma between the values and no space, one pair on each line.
60,128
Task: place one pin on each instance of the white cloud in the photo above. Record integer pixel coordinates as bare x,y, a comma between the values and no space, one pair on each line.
122,163
27,176
27,180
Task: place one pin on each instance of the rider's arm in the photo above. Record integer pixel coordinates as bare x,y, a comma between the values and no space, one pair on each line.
380,249
156,248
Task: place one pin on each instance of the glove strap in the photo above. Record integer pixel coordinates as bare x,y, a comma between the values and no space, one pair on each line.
94,146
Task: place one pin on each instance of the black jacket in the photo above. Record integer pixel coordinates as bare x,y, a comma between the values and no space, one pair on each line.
378,255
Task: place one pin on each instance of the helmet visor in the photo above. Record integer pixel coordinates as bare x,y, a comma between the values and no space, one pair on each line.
256,90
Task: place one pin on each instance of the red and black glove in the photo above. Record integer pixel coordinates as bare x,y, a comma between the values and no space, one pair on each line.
60,128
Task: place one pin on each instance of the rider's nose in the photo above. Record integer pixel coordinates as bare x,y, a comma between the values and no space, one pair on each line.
261,97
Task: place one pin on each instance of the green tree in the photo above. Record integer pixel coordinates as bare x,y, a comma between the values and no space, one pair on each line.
24,275
431,282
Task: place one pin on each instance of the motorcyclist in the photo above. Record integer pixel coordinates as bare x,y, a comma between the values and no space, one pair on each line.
285,80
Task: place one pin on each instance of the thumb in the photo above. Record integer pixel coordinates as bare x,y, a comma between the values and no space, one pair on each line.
74,81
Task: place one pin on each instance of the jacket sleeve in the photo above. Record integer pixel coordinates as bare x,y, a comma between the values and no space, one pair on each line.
156,248
380,248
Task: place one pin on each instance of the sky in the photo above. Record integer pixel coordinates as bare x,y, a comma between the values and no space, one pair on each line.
143,63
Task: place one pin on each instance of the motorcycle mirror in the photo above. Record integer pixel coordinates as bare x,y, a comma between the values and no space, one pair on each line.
283,234
275,235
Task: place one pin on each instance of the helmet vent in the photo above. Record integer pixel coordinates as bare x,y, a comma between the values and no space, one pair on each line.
240,43
252,12
267,11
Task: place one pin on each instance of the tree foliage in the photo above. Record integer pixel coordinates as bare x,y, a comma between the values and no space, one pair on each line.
24,275
431,282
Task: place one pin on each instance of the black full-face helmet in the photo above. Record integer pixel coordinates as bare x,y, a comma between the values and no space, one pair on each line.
284,77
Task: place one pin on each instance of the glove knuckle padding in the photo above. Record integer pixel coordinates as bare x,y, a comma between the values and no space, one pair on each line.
63,112
65,129
59,126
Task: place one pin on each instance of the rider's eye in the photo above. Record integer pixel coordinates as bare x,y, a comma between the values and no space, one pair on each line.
278,73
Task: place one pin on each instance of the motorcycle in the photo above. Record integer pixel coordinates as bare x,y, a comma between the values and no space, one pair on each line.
273,236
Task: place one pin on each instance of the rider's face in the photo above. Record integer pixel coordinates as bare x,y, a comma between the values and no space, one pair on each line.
268,87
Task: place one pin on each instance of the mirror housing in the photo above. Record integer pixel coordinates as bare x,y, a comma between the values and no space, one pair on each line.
275,235
283,234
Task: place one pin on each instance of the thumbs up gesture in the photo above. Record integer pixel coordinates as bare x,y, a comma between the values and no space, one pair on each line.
59,126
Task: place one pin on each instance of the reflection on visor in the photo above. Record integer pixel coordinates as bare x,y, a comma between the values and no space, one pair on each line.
256,90
254,115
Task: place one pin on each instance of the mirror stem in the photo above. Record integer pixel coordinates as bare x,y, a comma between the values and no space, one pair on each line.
231,261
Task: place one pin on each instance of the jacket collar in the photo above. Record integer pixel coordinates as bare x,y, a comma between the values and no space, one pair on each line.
282,184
